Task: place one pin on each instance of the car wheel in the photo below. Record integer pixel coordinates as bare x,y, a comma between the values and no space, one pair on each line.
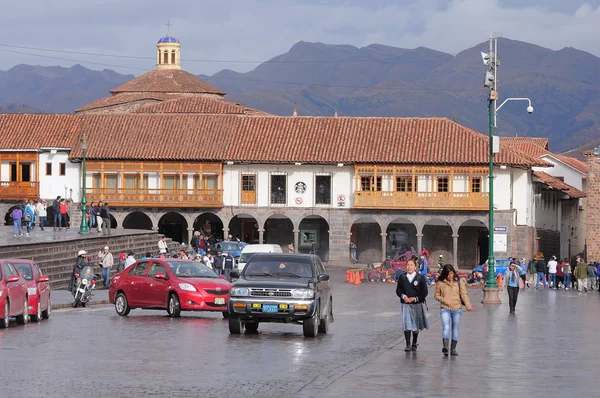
225,314
310,326
75,302
235,324
24,317
48,310
324,324
251,327
6,319
38,314
173,307
121,305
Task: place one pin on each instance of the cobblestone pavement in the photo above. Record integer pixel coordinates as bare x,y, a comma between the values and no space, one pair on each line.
547,349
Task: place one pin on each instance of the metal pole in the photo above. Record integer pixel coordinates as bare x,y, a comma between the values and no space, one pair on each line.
83,227
491,280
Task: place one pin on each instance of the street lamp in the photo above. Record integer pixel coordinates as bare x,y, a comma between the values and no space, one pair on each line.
83,227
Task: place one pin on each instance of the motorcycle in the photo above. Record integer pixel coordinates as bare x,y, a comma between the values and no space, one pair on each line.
85,283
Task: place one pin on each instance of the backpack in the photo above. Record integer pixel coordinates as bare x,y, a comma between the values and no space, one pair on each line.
27,216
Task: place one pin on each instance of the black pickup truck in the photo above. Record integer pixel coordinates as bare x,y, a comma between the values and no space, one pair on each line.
286,288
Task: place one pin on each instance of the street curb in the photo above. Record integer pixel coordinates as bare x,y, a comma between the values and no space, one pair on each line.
60,306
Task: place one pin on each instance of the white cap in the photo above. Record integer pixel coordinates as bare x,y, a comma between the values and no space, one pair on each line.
81,252
105,247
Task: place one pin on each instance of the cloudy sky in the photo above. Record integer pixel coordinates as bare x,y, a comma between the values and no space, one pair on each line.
238,34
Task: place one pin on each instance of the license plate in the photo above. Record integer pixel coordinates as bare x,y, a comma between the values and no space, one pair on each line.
80,290
269,308
219,301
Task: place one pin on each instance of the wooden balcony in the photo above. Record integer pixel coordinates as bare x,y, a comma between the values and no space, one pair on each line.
156,197
17,190
421,200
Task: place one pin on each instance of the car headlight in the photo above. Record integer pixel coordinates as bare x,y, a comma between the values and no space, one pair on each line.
303,293
187,286
239,292
31,290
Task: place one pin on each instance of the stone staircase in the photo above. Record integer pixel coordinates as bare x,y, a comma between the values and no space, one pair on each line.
56,259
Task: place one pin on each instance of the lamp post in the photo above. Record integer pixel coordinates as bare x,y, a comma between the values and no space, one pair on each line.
83,227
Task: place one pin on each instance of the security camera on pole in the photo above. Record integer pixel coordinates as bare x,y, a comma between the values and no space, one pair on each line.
491,60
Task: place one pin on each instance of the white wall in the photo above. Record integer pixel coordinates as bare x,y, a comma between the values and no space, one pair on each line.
569,175
55,184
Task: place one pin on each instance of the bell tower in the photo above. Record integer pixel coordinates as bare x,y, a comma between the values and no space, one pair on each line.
168,52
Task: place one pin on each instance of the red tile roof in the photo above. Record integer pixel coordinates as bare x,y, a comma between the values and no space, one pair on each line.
35,131
200,104
559,185
530,145
125,98
167,81
574,163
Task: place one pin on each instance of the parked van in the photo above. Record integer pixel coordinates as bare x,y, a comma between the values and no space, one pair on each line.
249,250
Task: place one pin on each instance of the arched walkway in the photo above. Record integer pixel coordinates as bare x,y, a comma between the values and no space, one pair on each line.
313,228
438,239
137,220
401,235
8,220
209,224
279,230
366,234
174,225
245,228
473,244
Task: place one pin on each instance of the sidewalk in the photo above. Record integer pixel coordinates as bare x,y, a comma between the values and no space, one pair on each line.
64,299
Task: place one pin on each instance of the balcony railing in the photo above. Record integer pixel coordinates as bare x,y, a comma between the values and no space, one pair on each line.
19,189
422,200
156,197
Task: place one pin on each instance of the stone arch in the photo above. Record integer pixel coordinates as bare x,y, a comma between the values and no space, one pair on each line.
438,236
245,227
209,223
137,220
298,218
473,243
8,220
313,226
113,222
366,233
174,225
401,236
278,229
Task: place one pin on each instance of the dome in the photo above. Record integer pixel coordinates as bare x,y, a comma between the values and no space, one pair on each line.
168,39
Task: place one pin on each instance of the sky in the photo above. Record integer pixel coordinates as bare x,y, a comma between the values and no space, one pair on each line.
239,34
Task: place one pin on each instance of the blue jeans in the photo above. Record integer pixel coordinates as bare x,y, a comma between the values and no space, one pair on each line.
552,280
28,225
106,276
540,277
91,221
567,281
57,220
353,254
42,222
450,316
17,227
218,271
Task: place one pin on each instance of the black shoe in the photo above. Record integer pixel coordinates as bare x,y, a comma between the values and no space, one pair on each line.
445,349
413,347
407,348
453,348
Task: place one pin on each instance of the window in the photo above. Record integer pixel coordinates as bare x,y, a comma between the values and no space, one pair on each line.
174,181
110,181
62,169
323,190
476,184
211,182
248,189
278,189
442,184
369,183
404,184
173,57
132,181
139,269
96,181
166,57
156,268
48,169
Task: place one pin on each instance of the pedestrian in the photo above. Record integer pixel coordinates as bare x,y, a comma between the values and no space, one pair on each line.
552,266
99,217
531,270
581,273
440,263
451,292
42,212
512,279
29,216
228,264
219,263
412,290
105,213
16,215
91,215
195,242
80,263
62,208
163,248
566,270
106,261
130,259
182,255
291,248
598,274
540,269
353,249
591,276
122,259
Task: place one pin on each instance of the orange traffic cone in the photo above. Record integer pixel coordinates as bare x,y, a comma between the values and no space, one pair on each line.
348,276
357,278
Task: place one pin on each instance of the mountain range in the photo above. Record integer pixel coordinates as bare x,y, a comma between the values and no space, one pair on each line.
376,80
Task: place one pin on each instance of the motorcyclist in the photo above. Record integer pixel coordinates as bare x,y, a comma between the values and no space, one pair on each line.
80,262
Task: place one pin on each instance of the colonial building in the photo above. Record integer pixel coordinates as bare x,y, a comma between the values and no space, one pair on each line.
169,153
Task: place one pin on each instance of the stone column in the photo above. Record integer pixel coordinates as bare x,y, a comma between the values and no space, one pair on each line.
190,232
455,250
383,245
261,234
296,240
225,233
419,243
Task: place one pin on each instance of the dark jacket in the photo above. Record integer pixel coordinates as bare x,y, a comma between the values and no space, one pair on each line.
228,262
80,262
540,266
410,289
56,206
219,261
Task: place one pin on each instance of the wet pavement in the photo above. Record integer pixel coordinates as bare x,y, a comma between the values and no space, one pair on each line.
547,349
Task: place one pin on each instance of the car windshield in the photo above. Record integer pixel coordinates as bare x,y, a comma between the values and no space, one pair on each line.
229,246
245,257
292,268
190,269
25,269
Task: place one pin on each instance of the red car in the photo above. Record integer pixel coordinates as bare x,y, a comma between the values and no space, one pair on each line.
169,284
13,294
38,289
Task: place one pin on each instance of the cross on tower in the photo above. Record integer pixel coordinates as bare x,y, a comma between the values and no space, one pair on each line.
168,25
